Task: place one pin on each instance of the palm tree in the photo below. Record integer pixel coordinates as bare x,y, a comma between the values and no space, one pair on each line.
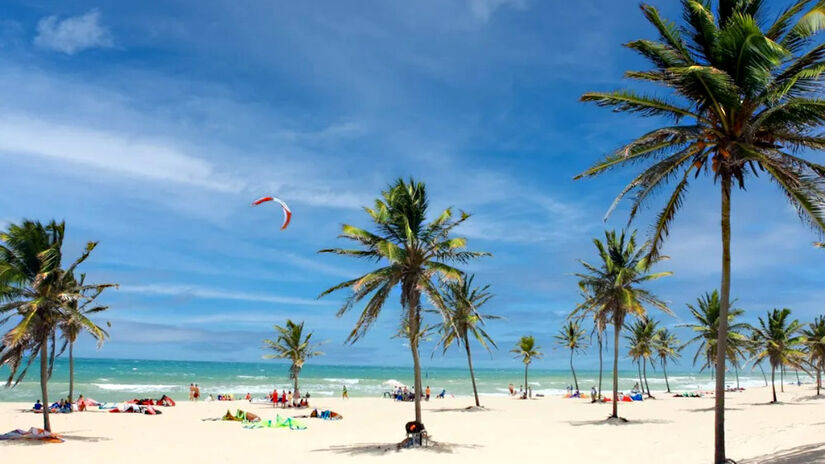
462,319
527,350
34,287
779,342
815,344
599,326
415,252
293,345
667,348
752,347
642,344
706,326
748,93
613,290
76,320
571,336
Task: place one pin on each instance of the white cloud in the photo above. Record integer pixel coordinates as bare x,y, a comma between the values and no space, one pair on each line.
130,155
74,34
484,9
212,293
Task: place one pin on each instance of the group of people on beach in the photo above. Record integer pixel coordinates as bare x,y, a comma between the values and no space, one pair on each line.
287,400
522,393
194,392
402,393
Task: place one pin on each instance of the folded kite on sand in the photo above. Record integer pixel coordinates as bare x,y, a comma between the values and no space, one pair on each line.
278,423
32,434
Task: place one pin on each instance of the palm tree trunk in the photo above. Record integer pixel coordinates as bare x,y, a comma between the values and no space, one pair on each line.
641,382
44,380
664,369
797,377
600,366
71,371
616,325
295,394
722,342
575,380
414,326
764,376
818,381
782,378
644,371
470,363
773,382
525,380
736,369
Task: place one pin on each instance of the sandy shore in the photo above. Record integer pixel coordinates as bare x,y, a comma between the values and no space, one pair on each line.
674,430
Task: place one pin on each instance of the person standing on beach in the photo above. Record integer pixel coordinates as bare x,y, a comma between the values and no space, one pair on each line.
191,391
427,393
196,392
345,393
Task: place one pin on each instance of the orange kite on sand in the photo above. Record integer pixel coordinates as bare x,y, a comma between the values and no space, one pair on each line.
32,434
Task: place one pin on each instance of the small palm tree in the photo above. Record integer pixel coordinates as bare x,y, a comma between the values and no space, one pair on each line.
293,345
527,350
415,252
706,326
753,349
35,287
463,319
814,337
641,341
780,342
667,348
745,98
571,336
600,323
77,320
613,290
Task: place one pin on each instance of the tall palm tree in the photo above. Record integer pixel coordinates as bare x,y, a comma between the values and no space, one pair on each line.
814,337
613,289
571,336
34,287
527,350
462,319
706,326
780,342
752,348
294,345
600,323
667,348
415,252
745,98
642,340
77,320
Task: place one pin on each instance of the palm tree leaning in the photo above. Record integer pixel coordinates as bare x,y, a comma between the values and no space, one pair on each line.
749,99
462,319
780,342
77,320
613,290
814,339
293,345
34,286
415,252
706,326
666,347
571,336
641,341
527,350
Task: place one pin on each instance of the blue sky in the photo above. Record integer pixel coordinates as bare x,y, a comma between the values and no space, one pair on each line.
151,128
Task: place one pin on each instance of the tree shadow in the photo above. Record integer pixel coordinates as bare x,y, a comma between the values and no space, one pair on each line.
381,449
811,398
464,409
710,409
805,454
620,422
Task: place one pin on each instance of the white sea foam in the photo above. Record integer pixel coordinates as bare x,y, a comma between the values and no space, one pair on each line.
135,387
343,381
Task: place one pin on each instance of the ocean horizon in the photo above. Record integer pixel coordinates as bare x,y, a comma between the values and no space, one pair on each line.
107,379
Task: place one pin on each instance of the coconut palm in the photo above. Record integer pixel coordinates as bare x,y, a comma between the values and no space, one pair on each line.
462,319
294,345
706,327
613,290
527,350
642,341
35,288
745,99
77,320
666,347
780,342
599,326
814,336
571,336
752,348
415,252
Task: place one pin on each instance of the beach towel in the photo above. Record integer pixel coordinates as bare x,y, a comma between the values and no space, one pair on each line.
32,434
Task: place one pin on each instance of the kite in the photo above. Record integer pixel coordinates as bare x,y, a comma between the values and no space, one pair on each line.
287,211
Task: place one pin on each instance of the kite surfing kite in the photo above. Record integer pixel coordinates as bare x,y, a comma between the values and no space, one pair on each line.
287,211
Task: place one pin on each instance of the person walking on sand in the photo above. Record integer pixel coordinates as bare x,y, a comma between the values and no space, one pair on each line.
345,393
427,393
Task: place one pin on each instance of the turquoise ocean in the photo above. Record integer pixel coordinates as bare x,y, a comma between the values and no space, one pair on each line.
123,379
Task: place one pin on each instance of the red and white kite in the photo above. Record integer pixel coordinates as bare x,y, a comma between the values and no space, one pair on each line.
287,211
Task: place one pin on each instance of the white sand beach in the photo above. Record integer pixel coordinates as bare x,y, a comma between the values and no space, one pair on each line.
674,430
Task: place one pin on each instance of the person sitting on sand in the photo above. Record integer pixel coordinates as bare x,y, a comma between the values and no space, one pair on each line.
210,398
442,394
81,403
37,406
248,397
593,394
